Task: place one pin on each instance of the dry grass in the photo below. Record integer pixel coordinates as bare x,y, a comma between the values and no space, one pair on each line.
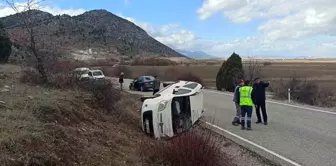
44,126
322,73
153,61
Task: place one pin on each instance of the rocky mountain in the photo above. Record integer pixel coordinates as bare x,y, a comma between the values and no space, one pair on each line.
98,31
196,54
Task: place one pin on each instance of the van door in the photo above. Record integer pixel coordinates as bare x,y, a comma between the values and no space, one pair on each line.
196,105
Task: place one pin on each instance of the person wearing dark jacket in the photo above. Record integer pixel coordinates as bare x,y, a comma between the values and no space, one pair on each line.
260,99
121,80
236,119
156,85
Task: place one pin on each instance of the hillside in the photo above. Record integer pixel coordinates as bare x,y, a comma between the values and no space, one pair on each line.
196,54
98,30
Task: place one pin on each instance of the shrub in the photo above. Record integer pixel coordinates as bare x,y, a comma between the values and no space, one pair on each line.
104,92
305,92
152,61
30,76
252,69
174,74
230,71
60,76
116,70
153,72
267,63
103,62
60,73
190,77
194,147
171,73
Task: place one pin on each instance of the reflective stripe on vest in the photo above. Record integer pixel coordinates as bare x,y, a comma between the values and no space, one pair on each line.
245,96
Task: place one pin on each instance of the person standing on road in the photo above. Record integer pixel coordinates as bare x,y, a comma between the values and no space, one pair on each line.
260,99
121,80
236,119
246,94
156,85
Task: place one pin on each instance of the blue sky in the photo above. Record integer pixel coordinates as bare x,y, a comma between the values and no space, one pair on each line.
258,28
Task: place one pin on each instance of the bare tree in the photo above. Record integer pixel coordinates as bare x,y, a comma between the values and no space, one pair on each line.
252,68
24,13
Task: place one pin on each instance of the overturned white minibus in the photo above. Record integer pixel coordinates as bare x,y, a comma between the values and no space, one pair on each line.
173,109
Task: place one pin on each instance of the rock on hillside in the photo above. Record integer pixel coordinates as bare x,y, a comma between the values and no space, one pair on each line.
98,30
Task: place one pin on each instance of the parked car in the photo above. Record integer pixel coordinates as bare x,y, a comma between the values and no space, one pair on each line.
96,75
172,110
81,73
142,83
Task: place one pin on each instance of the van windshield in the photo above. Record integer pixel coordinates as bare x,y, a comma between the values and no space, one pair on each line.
97,73
191,86
165,88
85,71
182,91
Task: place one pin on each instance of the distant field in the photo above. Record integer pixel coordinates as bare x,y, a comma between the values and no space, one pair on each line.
322,72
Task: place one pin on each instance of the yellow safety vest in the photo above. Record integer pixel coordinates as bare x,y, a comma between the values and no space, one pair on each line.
245,96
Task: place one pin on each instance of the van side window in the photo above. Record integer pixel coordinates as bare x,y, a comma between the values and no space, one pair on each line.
191,86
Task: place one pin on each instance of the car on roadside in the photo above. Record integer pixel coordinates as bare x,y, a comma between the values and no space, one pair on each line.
82,73
96,75
172,110
142,83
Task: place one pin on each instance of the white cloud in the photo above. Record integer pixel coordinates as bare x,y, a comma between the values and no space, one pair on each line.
172,34
288,19
257,46
5,10
290,26
127,2
290,30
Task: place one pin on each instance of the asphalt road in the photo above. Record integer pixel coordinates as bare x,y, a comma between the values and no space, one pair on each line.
302,135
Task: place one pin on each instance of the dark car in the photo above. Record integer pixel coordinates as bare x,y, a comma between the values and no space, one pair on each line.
142,83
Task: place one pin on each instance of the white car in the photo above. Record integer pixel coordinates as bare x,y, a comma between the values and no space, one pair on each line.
172,110
96,75
82,73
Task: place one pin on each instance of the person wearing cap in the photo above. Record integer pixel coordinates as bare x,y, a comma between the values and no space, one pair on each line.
236,119
246,95
156,85
260,99
121,79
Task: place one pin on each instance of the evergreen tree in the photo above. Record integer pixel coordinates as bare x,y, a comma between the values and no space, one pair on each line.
230,71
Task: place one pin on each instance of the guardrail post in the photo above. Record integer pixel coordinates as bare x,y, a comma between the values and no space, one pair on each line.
289,95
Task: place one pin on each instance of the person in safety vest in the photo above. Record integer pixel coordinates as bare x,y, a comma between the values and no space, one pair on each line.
236,119
246,95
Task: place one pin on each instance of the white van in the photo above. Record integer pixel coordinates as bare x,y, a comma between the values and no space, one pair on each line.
81,73
96,75
172,110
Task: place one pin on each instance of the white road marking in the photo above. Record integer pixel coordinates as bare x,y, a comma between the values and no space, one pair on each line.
254,144
285,104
